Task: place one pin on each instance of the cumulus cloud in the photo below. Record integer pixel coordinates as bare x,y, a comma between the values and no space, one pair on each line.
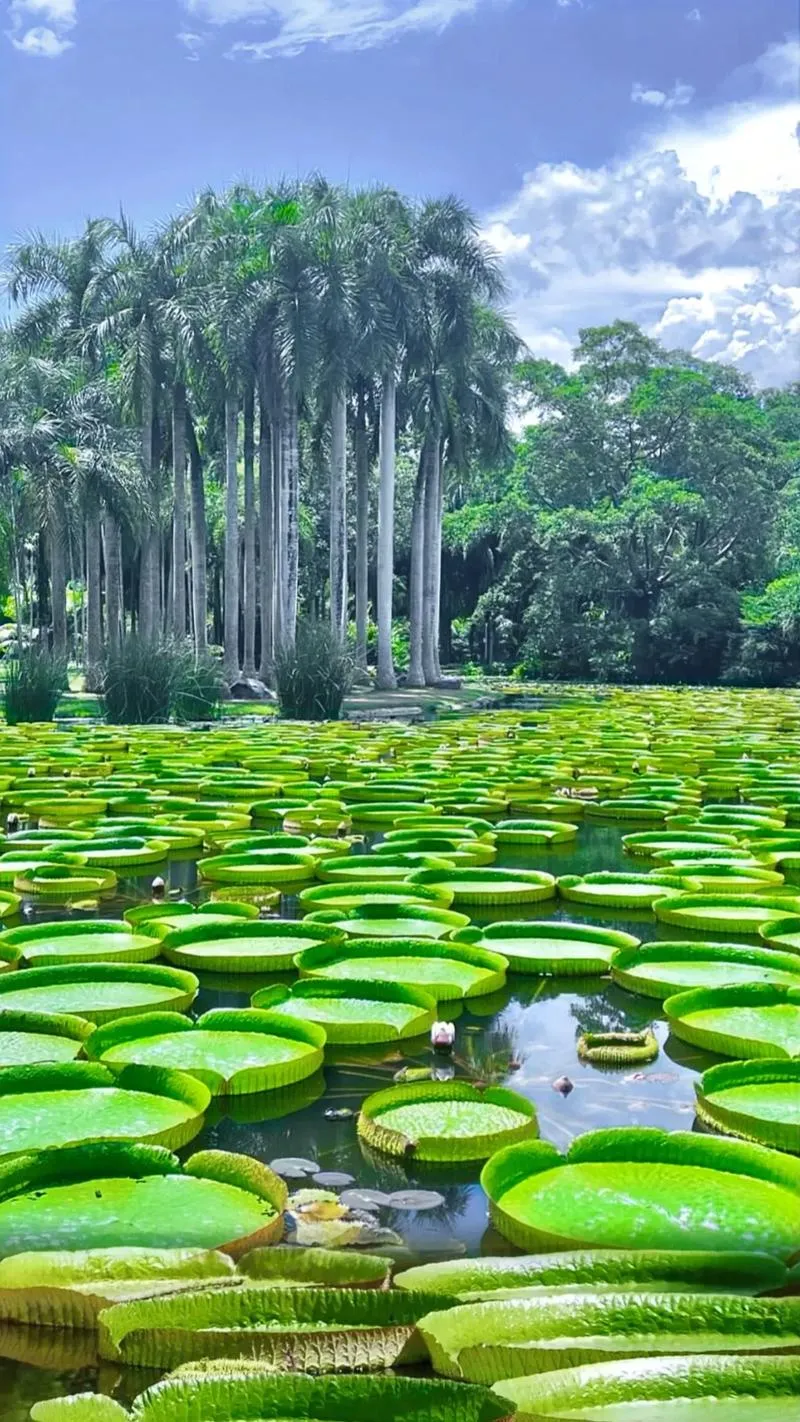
192,43
45,40
695,16
693,234
678,97
346,24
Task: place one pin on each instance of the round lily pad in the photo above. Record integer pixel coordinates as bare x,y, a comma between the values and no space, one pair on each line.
663,969
653,842
124,852
75,1102
353,896
445,970
607,889
60,881
531,831
283,868
98,992
759,1101
550,948
731,913
754,1020
244,947
101,1196
640,1188
354,1013
160,919
30,1037
782,933
10,904
380,920
233,1051
80,941
489,886
378,868
445,1121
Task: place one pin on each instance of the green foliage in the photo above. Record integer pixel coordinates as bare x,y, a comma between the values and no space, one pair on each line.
313,677
147,683
34,681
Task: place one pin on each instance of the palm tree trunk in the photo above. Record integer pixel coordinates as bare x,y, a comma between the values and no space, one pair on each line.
436,613
231,625
112,551
362,529
249,533
198,542
266,532
148,571
338,535
58,588
279,516
290,481
94,627
416,591
179,510
386,677
431,578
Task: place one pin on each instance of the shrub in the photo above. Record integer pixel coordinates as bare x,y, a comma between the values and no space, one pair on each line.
313,677
147,682
34,682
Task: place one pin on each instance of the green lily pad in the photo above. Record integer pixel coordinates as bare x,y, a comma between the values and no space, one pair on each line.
759,1101
618,890
550,948
232,1050
754,1020
489,886
380,920
110,1195
354,1013
30,1037
731,913
286,1265
80,941
445,970
354,896
285,868
641,1188
664,969
685,1389
445,1121
243,947
159,919
98,992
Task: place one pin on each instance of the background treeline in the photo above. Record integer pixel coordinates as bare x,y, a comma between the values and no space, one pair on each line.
300,403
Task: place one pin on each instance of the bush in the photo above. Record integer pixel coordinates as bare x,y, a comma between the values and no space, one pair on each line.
147,683
34,682
313,677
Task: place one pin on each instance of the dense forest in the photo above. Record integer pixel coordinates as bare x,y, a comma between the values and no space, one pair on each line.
301,403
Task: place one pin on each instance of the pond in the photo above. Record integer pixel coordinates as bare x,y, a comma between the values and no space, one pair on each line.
532,1026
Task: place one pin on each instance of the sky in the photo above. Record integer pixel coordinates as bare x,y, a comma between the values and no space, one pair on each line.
635,159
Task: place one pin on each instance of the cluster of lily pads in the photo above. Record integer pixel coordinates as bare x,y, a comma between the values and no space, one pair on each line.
661,1266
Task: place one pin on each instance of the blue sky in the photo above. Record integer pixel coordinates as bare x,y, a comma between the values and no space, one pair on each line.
627,157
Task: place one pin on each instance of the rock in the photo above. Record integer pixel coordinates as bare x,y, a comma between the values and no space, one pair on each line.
563,1086
448,683
415,1200
294,1167
333,1180
251,689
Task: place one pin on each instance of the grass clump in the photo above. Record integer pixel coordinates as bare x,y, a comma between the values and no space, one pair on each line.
150,682
313,677
34,682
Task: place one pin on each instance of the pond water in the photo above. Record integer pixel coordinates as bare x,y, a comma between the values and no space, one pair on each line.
533,1022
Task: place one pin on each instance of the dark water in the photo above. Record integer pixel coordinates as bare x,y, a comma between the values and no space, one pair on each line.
533,1021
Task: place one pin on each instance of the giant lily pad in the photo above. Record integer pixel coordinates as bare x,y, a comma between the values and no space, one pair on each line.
653,842
550,948
233,1051
30,1037
758,1100
663,969
380,920
686,1389
641,1188
618,890
98,992
754,1020
243,1389
285,868
80,941
781,933
68,1289
489,886
725,913
505,1338
160,919
292,1267
354,1013
69,1103
353,896
242,947
444,970
379,868
311,1330
110,1195
59,881
580,1271
445,1121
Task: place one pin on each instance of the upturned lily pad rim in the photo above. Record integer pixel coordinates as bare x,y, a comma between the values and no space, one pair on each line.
177,945
62,1024
314,961
435,1148
270,999
271,866
376,913
486,885
736,1120
726,1043
329,1268
140,948
776,930
83,1076
88,973
660,951
147,913
355,895
64,881
678,909
246,1080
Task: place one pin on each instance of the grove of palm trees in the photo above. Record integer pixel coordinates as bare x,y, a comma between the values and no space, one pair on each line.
205,427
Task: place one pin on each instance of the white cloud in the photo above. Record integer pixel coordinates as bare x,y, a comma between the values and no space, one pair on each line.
779,66
192,43
350,24
52,12
695,16
678,97
40,43
693,234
